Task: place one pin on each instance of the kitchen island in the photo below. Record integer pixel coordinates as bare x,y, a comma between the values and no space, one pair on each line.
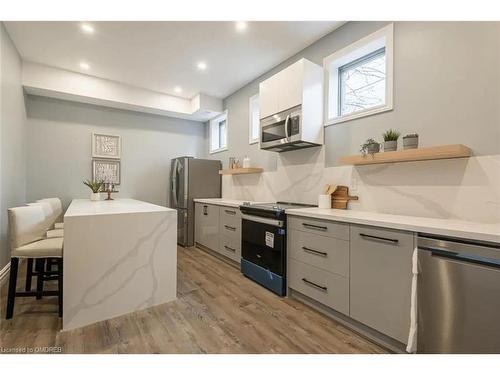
120,256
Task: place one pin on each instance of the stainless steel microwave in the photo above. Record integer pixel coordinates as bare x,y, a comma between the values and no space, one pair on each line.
283,131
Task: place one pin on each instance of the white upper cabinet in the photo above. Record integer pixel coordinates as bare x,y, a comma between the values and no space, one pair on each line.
268,98
287,88
291,86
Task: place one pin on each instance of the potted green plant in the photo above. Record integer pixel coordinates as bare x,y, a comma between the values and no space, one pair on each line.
96,187
410,141
370,147
391,140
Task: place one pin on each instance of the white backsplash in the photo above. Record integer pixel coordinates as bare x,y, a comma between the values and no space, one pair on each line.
461,189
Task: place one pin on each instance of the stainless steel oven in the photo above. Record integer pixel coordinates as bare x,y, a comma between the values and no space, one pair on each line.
263,244
263,251
282,131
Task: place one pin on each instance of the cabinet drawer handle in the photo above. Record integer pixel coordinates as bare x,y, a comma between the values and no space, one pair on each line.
229,248
229,212
316,252
376,238
230,228
205,209
323,288
316,227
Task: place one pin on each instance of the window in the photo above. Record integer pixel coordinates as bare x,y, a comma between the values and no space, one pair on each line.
359,78
254,121
218,133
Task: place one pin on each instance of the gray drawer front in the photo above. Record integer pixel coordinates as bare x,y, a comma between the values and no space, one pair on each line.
329,254
230,226
311,282
230,212
322,227
381,262
230,248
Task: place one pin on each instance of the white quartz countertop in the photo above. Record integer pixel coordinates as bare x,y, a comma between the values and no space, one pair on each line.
444,227
223,201
86,207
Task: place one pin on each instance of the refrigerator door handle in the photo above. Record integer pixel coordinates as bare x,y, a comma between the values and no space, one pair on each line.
174,183
186,183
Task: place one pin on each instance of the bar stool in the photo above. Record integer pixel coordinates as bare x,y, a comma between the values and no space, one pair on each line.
27,240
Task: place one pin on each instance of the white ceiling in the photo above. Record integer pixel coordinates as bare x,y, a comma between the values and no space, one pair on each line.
161,55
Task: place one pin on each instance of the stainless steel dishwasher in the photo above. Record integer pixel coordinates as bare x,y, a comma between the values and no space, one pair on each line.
458,296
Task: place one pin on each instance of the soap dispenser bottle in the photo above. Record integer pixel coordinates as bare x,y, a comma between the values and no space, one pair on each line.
246,162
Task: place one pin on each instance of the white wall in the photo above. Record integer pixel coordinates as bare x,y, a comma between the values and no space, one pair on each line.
12,139
59,148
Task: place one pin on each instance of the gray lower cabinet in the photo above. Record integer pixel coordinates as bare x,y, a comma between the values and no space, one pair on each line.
219,229
318,261
230,233
380,279
361,271
207,225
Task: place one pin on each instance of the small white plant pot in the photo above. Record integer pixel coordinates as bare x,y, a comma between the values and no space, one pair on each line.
390,145
94,197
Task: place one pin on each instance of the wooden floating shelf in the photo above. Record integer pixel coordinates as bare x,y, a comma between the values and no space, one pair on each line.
417,154
241,171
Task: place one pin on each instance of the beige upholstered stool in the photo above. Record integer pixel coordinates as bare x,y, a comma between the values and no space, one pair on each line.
27,240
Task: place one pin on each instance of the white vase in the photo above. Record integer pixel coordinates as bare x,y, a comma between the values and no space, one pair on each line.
95,197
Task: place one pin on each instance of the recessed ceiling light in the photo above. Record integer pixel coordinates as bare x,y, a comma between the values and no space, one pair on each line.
201,65
241,26
178,89
84,66
87,28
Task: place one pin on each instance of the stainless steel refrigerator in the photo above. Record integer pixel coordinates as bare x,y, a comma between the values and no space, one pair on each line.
191,178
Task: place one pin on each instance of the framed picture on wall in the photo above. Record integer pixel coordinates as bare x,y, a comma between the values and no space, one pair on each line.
106,170
106,146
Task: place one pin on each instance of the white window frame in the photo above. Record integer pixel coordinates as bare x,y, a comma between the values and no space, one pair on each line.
250,120
380,38
213,122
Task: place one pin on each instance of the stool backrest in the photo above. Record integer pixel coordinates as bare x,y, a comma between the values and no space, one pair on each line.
26,225
56,207
48,212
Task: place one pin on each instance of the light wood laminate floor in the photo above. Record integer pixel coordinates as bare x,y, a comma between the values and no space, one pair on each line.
217,311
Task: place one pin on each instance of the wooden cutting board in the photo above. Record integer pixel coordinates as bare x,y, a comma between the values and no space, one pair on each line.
341,197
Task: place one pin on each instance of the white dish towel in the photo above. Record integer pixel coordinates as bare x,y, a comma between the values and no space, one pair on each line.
412,336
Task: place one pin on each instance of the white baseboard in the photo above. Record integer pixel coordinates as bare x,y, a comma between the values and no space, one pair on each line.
4,274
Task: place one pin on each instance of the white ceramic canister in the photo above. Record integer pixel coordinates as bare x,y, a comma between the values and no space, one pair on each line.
324,201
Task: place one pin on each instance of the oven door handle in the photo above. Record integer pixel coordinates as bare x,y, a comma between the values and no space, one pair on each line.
263,220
